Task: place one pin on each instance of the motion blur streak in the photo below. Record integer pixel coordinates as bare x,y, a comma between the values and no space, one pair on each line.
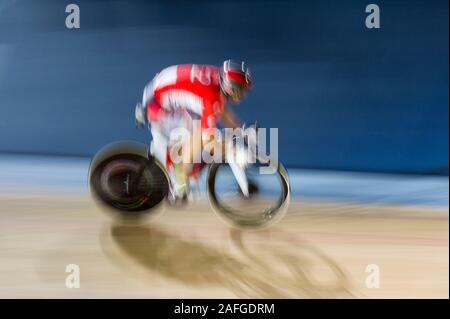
363,114
321,249
345,96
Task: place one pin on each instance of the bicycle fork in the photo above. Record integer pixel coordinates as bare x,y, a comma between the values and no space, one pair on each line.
237,162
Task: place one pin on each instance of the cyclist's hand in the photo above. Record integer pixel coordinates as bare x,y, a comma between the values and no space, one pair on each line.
139,125
140,115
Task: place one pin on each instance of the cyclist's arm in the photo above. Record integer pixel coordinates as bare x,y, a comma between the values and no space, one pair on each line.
229,119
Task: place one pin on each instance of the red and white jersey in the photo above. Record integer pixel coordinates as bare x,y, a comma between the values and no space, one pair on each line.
190,87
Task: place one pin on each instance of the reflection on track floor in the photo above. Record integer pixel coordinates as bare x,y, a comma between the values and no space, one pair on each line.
318,250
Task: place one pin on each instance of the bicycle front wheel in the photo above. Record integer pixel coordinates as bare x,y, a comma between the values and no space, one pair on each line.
266,205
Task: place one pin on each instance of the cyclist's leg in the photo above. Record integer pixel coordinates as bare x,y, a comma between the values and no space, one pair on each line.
159,144
181,150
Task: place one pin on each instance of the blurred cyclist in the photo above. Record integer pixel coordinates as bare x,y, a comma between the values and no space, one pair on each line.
180,94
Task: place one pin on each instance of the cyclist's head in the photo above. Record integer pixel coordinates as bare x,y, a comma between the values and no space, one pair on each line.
235,79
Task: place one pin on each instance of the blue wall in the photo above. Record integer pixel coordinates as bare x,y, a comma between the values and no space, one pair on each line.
342,96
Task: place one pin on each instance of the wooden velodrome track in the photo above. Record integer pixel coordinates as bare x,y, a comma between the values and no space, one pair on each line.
319,250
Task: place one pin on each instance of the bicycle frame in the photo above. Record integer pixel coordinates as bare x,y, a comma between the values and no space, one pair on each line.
159,148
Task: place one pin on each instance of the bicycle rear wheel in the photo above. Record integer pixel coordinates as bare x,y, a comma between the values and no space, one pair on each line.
128,183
